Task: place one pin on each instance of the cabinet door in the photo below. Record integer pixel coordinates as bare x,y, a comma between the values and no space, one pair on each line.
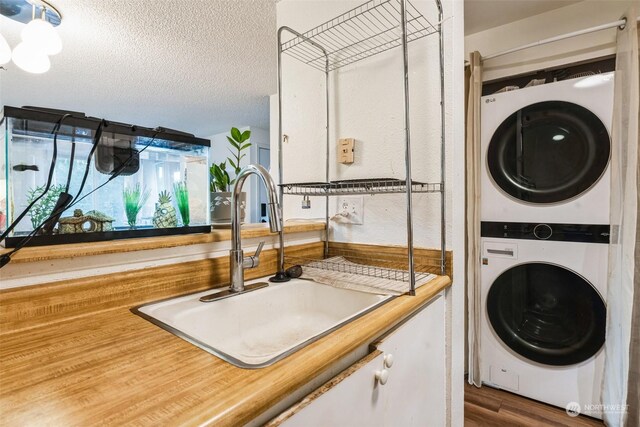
414,393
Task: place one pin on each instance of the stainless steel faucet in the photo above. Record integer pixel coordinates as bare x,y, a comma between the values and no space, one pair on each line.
238,262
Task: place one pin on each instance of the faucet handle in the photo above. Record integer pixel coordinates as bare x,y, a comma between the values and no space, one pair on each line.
259,249
253,261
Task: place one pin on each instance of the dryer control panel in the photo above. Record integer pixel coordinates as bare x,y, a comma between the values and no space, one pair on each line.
585,233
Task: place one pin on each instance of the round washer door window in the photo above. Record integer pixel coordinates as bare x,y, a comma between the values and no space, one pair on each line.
547,314
548,152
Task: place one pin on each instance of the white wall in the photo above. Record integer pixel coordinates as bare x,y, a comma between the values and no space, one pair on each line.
455,137
259,138
578,16
367,105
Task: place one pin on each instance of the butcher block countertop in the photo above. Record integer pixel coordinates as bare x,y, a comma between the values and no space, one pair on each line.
112,367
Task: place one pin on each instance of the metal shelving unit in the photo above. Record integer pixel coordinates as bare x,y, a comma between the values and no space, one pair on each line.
367,30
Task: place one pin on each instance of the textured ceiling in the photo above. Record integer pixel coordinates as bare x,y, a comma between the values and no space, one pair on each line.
481,15
199,66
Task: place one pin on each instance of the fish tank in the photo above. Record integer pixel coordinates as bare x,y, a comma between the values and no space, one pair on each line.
68,178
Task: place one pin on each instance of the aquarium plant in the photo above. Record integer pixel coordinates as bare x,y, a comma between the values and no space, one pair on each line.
165,214
182,199
134,199
43,209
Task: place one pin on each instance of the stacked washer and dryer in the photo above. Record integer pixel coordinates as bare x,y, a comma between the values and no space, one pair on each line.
544,235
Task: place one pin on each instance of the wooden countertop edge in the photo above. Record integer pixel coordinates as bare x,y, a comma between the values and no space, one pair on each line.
73,250
309,362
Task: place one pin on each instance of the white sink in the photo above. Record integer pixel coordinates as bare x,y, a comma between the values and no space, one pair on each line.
260,327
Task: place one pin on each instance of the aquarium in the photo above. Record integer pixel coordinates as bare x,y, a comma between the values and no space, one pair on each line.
105,180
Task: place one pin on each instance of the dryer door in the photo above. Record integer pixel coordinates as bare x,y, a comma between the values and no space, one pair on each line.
547,314
548,152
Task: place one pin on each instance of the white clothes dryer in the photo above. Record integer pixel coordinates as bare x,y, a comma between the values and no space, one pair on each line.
546,152
543,293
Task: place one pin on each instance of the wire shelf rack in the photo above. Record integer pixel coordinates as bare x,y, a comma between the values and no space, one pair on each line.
365,265
358,186
360,33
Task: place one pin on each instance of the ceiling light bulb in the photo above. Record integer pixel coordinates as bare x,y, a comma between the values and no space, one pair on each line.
30,58
5,51
42,33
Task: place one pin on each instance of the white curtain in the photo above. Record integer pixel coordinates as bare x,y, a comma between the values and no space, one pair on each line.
474,308
622,345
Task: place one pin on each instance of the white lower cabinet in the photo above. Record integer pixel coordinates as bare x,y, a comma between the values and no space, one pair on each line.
401,383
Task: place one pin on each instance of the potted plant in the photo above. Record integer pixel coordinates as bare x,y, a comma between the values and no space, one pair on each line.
220,181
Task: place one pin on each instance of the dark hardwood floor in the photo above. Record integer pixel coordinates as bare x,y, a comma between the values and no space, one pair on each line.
487,406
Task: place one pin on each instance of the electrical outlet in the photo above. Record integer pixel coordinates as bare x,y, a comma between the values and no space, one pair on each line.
351,209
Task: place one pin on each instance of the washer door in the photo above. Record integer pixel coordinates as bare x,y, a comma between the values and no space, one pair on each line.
547,314
548,152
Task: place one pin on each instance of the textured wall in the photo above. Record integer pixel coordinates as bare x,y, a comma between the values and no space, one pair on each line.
367,105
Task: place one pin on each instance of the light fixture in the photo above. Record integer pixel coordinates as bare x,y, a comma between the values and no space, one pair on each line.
41,33
30,58
5,51
558,137
39,37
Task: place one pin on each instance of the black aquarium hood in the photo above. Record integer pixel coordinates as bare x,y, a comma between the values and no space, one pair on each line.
35,117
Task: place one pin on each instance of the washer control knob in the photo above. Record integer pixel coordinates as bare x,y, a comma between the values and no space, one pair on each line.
542,231
388,360
382,376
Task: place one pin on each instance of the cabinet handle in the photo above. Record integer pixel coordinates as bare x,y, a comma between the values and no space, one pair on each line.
388,360
382,376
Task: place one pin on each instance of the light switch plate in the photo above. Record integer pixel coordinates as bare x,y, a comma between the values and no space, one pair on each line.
345,150
352,209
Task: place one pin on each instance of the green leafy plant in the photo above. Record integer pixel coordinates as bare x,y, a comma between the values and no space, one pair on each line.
182,199
219,179
42,210
134,199
238,141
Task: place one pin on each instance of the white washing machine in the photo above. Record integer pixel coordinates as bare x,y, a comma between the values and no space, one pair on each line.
546,151
543,290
